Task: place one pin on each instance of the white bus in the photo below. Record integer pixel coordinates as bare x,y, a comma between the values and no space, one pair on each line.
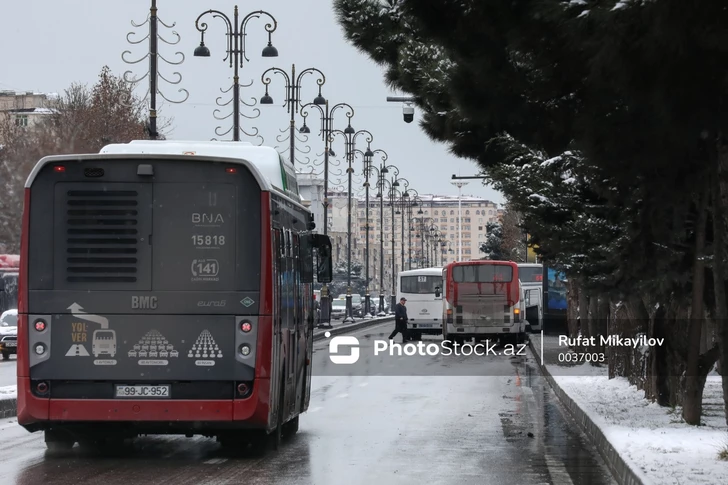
423,290
531,276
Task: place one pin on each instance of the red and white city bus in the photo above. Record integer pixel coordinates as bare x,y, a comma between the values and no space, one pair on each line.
483,301
166,288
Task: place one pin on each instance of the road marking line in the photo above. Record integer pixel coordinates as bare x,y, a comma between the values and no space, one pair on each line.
215,461
343,395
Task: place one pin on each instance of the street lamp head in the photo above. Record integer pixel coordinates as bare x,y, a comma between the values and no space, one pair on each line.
319,100
420,212
384,170
269,50
368,153
332,153
304,129
266,99
202,50
349,130
395,184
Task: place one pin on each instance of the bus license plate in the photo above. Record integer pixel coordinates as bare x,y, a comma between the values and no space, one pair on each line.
424,325
11,344
142,391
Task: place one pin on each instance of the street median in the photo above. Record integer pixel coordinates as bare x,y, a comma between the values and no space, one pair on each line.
8,407
320,334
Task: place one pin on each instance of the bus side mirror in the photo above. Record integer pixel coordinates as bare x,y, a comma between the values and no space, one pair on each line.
324,262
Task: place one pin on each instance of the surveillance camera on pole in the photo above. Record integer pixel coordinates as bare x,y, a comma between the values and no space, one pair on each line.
408,111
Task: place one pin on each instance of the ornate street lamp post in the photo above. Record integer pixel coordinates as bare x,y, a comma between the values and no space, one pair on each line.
236,34
327,127
293,100
350,137
153,73
382,184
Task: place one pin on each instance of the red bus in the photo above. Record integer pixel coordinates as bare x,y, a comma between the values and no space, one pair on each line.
166,288
483,301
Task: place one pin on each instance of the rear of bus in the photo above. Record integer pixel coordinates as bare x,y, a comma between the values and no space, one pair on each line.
483,301
144,284
423,290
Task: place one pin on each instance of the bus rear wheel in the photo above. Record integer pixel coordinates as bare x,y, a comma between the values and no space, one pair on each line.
290,428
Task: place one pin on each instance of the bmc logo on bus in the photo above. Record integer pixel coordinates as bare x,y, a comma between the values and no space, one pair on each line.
144,302
348,341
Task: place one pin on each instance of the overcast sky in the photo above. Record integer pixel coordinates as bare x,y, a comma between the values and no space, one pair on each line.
50,44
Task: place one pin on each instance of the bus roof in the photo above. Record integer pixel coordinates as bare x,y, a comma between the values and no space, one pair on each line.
530,265
481,261
267,160
422,271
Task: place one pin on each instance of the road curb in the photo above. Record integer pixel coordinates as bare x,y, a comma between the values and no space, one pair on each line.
8,407
621,471
320,335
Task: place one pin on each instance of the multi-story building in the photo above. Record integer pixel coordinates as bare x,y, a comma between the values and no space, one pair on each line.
27,108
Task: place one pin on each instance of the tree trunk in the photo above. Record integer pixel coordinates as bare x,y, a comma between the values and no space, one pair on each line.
721,305
593,317
602,323
693,397
572,312
583,310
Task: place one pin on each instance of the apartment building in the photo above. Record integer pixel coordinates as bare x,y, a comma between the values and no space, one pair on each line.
25,108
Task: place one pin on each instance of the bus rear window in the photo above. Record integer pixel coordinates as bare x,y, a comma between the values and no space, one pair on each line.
482,273
421,284
530,274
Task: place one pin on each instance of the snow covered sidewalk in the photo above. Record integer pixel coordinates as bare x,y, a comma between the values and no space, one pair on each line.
641,441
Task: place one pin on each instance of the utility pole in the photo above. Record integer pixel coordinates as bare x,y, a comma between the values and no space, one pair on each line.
460,185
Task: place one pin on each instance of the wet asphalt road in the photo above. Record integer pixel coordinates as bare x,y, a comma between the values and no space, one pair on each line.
8,376
361,430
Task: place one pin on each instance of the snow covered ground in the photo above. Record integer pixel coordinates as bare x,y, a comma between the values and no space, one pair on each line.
8,392
653,440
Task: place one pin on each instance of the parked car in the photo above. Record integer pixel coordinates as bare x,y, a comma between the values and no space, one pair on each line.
338,308
9,333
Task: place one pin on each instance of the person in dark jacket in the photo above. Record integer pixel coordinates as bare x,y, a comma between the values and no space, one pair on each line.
400,320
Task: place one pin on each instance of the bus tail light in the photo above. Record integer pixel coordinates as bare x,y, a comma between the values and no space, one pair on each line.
246,326
244,389
59,169
39,325
40,389
39,349
449,315
516,315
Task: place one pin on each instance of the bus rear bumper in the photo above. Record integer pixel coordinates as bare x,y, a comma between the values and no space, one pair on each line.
36,413
474,331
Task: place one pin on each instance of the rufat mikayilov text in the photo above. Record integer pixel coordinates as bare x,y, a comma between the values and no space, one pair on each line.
611,341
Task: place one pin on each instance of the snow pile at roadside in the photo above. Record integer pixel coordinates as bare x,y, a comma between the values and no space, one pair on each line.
8,392
651,438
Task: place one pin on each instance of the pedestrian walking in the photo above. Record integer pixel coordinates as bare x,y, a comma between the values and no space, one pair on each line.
400,320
